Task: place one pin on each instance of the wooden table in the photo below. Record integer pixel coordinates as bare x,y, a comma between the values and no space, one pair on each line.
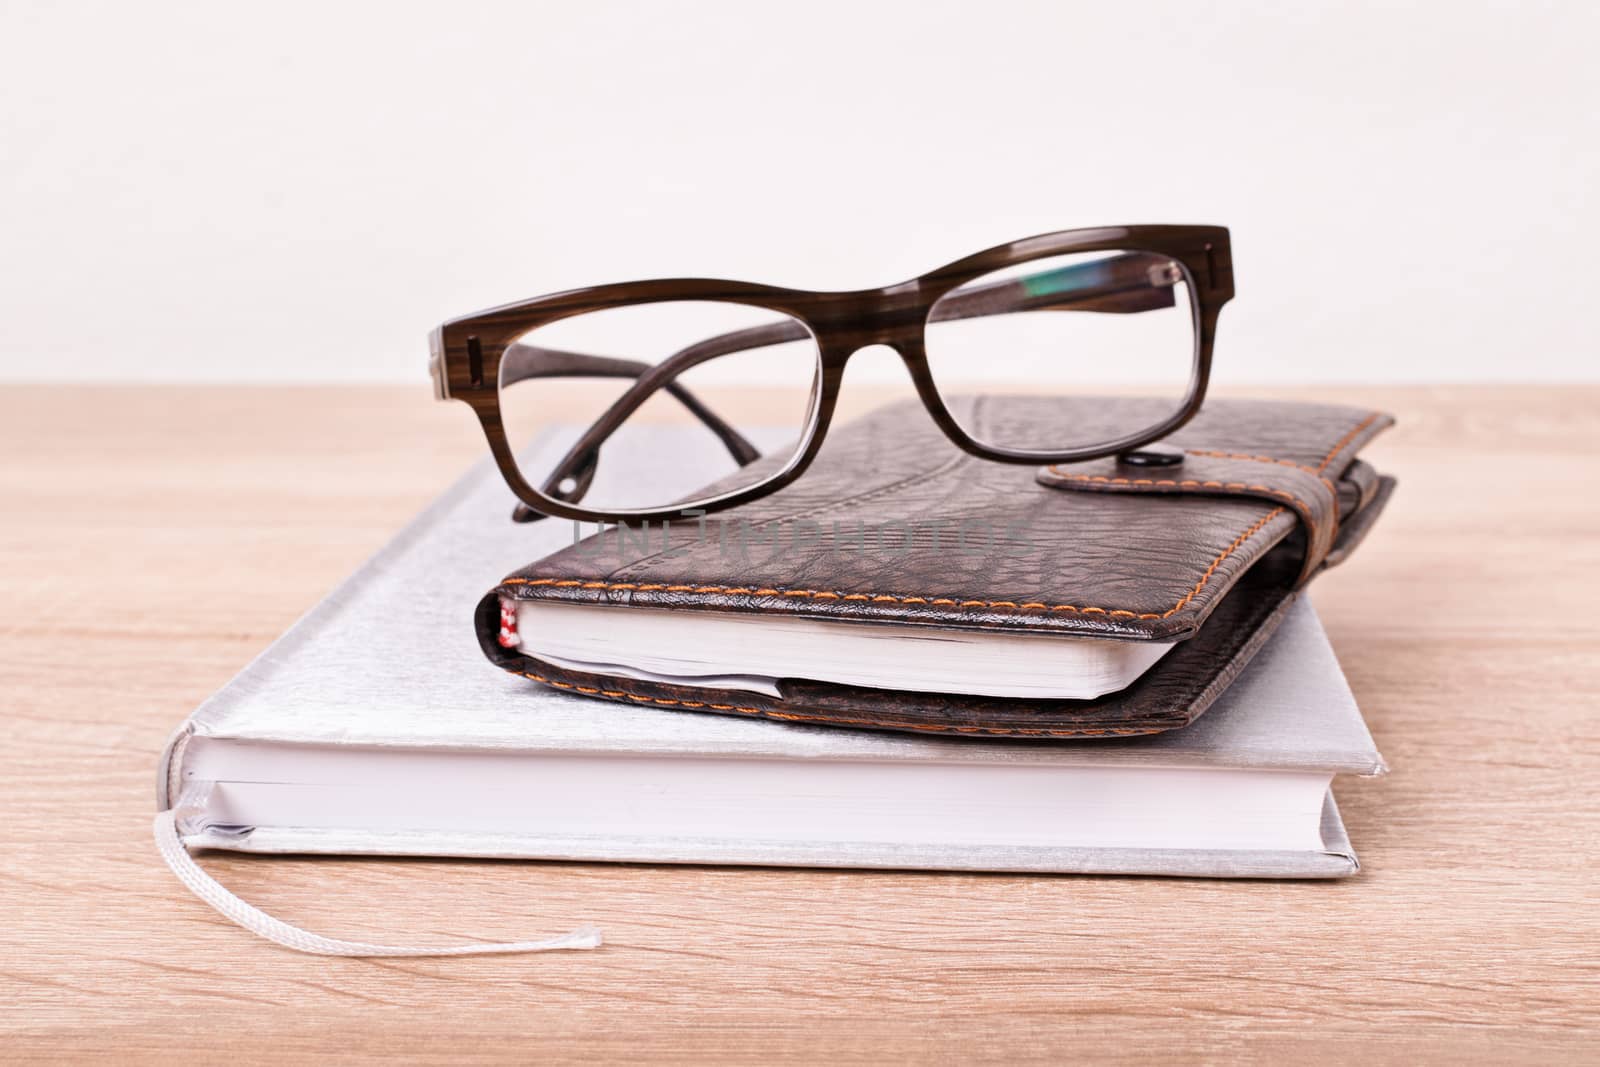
156,538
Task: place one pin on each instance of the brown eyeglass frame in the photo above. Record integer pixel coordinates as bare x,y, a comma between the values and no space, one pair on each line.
468,353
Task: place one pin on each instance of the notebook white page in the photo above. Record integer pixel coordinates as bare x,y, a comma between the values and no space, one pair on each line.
703,648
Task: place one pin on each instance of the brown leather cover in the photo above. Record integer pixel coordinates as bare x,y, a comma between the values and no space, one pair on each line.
1208,553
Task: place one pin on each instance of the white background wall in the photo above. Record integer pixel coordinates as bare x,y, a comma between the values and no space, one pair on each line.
299,192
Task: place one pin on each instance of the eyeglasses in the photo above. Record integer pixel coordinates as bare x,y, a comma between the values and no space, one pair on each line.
992,342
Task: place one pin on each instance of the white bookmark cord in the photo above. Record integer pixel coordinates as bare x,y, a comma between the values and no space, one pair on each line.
259,922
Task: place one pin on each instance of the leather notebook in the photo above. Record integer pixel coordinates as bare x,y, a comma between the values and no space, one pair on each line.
893,525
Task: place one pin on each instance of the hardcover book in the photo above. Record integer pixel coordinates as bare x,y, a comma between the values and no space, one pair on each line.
375,726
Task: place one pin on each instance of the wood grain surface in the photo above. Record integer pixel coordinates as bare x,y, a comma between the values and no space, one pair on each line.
154,539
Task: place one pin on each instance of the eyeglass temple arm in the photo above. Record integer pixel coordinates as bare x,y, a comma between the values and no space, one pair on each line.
524,362
1124,284
582,458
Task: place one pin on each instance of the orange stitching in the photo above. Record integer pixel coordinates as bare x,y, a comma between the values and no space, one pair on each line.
772,714
1187,483
1246,455
946,601
1241,539
1265,459
1311,524
1346,439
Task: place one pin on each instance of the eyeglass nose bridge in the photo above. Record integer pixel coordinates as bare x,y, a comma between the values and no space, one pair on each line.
893,317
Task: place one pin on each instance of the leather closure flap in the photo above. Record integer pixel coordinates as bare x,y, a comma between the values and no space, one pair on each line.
1284,484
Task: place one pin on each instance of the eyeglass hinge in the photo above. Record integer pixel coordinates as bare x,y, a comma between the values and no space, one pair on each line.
441,381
